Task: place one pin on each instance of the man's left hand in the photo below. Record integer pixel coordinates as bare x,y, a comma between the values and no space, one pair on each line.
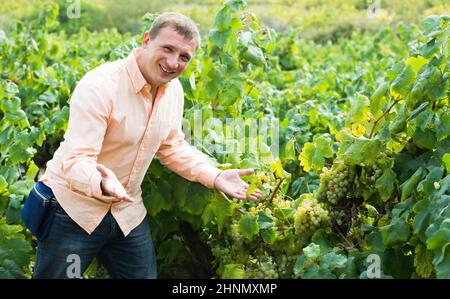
229,182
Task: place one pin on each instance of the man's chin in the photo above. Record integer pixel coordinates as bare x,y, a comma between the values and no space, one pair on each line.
165,80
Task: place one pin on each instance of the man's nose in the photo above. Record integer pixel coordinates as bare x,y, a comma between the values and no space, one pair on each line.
172,61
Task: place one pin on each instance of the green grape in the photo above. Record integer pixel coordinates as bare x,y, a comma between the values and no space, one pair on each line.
309,216
266,182
221,254
236,235
373,172
335,184
279,202
262,267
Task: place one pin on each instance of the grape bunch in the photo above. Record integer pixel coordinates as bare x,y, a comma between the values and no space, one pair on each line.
236,235
285,265
280,202
222,254
309,216
355,232
259,207
266,182
336,183
374,172
262,267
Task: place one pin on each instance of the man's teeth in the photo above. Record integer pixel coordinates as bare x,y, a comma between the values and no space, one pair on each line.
166,70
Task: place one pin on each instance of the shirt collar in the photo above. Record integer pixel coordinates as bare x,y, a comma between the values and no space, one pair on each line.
137,79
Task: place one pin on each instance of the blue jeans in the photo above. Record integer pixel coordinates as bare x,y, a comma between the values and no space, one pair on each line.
68,249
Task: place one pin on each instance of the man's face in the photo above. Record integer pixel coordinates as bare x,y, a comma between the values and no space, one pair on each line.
166,56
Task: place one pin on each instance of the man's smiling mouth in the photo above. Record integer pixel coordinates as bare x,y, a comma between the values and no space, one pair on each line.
167,71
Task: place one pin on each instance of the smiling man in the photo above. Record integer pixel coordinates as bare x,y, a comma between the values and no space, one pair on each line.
122,114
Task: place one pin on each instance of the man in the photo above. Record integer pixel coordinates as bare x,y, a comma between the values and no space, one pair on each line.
122,114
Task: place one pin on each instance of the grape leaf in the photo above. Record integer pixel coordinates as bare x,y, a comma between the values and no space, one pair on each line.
395,233
172,250
10,270
357,150
312,272
332,261
289,150
358,110
248,225
430,23
269,236
198,199
378,98
442,124
416,63
299,264
408,186
264,220
3,184
403,83
312,156
425,138
445,159
386,184
277,168
443,268
423,261
439,240
220,209
312,251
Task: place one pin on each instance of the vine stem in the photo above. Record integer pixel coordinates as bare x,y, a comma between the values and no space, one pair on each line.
396,100
338,230
276,190
350,244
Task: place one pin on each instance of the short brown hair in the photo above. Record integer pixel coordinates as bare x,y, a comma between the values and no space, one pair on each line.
182,24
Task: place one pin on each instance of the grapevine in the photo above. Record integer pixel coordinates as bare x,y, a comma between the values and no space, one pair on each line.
362,165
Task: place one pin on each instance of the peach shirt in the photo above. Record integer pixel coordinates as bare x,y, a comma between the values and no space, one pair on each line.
114,122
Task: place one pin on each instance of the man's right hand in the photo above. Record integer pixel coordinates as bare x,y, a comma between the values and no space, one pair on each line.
111,186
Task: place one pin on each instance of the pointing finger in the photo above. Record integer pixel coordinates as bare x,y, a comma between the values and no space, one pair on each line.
251,197
256,195
247,171
239,195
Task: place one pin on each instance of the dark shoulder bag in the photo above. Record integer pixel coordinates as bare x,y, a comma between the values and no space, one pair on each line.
39,210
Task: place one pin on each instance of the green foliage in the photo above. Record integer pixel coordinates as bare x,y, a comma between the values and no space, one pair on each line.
364,135
14,251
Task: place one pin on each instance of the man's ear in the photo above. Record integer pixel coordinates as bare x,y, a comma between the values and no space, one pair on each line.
146,39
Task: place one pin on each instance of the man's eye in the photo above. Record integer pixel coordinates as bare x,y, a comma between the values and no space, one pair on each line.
167,49
184,58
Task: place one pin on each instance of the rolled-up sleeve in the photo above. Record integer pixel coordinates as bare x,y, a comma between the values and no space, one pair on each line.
88,121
